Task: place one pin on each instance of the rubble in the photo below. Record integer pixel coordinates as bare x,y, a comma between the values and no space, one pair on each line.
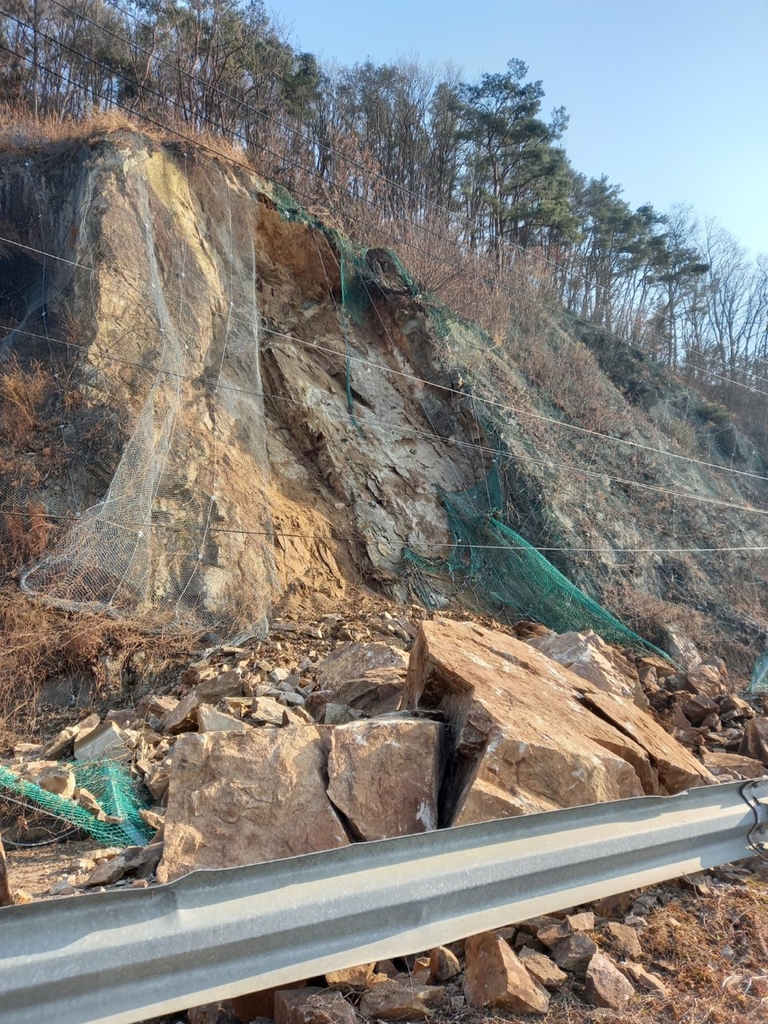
492,727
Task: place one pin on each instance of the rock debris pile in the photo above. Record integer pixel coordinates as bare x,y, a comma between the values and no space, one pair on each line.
330,733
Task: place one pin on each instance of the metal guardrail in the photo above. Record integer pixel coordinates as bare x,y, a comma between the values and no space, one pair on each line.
120,957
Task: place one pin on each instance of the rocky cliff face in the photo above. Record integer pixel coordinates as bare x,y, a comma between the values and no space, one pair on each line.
197,424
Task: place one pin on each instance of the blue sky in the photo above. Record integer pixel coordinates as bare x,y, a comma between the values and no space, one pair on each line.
667,97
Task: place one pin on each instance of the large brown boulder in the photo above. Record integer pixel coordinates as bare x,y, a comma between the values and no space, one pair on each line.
384,775
238,798
529,735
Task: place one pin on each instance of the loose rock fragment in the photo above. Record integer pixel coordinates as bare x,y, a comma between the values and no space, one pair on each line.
542,969
105,741
107,873
443,965
311,1005
351,979
211,720
624,940
183,717
398,999
755,742
60,781
496,978
646,980
574,953
605,985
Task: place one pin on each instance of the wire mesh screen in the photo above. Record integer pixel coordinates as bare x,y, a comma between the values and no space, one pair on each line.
153,414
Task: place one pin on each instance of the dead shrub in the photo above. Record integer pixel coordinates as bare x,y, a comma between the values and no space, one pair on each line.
24,394
41,642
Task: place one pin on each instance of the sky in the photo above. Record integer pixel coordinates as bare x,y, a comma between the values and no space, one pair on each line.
668,98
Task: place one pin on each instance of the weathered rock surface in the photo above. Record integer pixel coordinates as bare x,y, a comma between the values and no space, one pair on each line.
542,969
529,735
402,999
443,965
678,769
240,798
605,985
496,978
732,766
589,656
755,742
312,1005
384,775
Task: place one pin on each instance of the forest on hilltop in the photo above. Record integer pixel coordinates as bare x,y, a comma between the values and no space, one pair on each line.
461,176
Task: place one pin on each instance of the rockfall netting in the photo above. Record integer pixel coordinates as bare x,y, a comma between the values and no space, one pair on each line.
148,320
507,574
109,782
153,434
503,571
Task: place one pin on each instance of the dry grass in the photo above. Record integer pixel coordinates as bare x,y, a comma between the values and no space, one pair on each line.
42,643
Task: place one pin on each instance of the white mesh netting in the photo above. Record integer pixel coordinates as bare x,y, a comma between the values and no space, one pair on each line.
158,393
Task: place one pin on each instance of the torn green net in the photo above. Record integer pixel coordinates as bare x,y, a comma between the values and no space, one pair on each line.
111,784
488,557
509,574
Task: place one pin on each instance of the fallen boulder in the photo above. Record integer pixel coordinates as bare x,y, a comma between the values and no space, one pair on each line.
529,735
384,775
238,798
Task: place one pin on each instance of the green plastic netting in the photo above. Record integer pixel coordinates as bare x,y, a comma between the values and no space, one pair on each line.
110,782
758,682
508,575
503,571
